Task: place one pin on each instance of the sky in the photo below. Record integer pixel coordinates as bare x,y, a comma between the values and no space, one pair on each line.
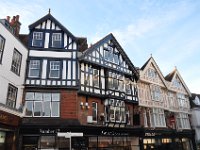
169,30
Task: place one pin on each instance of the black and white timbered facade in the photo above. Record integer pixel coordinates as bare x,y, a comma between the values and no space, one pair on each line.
106,71
69,89
52,55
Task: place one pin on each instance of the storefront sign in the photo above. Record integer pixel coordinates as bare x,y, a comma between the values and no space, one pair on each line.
8,119
114,133
48,131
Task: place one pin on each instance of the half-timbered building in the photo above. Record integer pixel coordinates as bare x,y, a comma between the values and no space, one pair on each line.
161,109
13,55
75,91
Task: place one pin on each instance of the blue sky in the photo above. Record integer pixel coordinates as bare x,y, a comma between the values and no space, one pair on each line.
167,29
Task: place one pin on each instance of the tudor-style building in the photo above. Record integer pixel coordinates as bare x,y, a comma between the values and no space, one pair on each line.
164,108
13,55
72,90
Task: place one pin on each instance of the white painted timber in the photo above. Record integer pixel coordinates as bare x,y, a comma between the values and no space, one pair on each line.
51,54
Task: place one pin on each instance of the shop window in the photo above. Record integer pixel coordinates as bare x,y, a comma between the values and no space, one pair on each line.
2,43
47,142
11,96
42,104
16,62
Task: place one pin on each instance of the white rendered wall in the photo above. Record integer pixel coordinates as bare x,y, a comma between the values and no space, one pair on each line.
6,75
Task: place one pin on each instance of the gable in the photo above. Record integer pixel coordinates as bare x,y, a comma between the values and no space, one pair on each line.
48,22
108,53
177,84
151,73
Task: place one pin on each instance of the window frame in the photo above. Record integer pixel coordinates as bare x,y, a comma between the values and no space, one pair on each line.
59,71
156,93
16,62
14,95
54,39
2,46
40,40
94,109
183,121
32,69
43,101
158,117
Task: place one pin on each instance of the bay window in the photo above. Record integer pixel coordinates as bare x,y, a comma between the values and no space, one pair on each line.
115,111
116,81
156,93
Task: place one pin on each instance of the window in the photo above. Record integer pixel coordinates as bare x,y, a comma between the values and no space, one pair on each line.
11,96
42,104
37,39
2,43
156,93
183,121
54,71
128,86
34,68
91,77
115,111
158,118
182,101
94,111
111,55
151,73
115,81
16,62
56,40
96,77
177,83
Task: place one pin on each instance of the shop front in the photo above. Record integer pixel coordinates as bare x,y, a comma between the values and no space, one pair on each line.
168,139
82,137
8,130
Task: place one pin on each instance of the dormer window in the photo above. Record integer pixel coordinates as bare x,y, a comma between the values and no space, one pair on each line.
37,39
57,40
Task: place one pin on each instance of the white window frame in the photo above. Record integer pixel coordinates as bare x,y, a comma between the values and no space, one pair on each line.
183,121
182,102
56,37
158,117
2,44
156,93
37,38
95,77
31,98
16,62
54,66
34,65
11,96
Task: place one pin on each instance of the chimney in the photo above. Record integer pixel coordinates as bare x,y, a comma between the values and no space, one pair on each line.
8,18
15,24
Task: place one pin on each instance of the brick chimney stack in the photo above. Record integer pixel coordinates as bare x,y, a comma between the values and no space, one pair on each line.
15,24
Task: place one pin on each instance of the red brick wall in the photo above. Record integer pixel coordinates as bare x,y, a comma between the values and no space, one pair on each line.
68,104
